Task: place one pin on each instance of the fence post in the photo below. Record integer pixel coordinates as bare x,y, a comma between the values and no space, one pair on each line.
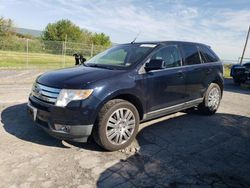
27,53
64,57
62,53
92,50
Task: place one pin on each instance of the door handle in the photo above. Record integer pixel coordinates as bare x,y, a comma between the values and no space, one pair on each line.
180,74
209,70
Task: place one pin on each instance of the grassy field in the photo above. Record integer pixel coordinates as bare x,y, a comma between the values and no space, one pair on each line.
18,60
227,69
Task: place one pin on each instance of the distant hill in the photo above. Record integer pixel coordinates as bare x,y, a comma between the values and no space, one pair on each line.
24,31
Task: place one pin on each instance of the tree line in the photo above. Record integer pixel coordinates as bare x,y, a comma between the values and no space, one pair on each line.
62,30
66,30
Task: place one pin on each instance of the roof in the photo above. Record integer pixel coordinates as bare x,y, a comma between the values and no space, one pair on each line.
168,42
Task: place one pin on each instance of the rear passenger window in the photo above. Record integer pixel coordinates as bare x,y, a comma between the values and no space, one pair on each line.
170,55
191,54
208,54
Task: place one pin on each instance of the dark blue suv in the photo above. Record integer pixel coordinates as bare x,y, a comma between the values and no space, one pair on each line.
114,91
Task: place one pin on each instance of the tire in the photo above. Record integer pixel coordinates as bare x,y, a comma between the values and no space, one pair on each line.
211,100
117,125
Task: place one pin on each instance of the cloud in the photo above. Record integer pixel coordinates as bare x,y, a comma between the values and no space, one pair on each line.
222,28
2,7
219,24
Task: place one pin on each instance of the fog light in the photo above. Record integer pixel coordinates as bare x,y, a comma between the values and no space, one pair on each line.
60,127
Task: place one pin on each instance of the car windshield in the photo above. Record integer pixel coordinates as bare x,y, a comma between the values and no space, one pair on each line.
120,56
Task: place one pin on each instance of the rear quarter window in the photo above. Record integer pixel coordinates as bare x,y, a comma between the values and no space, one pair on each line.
208,54
191,54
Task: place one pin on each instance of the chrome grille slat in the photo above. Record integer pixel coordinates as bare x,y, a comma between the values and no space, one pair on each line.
48,94
43,98
45,93
50,89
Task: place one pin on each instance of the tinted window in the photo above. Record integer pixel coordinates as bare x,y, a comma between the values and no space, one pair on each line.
191,54
170,55
202,55
208,54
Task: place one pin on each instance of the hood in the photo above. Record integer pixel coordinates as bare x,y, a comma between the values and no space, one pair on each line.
75,77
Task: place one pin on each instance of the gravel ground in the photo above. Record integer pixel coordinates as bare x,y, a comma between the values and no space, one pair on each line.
180,150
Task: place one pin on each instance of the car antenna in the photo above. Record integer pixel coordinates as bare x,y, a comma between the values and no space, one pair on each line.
136,37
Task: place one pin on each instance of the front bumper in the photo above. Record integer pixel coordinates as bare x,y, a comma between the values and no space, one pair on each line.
61,123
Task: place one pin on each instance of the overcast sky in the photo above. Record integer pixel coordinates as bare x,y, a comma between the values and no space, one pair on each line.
221,24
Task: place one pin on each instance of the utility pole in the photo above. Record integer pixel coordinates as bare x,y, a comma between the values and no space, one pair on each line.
242,56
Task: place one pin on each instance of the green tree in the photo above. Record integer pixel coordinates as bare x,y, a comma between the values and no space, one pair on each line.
6,26
101,39
61,30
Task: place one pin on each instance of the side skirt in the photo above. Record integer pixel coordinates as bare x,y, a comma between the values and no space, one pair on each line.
171,109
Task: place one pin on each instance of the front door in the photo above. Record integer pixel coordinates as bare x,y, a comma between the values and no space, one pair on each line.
166,87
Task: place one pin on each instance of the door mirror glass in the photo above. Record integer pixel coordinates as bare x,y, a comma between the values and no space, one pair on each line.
155,64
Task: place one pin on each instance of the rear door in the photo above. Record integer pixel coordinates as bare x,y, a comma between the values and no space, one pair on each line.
195,71
165,87
211,64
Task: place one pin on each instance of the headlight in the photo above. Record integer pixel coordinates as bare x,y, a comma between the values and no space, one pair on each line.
67,95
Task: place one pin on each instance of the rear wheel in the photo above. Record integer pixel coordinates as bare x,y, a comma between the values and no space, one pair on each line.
117,125
211,100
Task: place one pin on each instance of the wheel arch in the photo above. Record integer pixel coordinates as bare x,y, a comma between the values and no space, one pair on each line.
133,99
220,82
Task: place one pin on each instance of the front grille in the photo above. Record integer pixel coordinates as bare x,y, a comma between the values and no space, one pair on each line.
45,94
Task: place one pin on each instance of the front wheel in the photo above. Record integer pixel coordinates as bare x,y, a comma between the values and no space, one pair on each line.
117,125
211,100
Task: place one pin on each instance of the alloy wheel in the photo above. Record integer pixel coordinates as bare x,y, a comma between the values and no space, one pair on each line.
120,126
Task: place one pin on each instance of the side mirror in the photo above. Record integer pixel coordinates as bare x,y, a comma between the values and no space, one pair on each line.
155,64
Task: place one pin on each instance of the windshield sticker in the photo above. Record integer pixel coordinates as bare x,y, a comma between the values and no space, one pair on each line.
148,45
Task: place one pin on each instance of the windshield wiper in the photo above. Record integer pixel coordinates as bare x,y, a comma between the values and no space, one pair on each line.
99,66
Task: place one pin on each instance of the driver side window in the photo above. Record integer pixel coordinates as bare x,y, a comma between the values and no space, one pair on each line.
170,55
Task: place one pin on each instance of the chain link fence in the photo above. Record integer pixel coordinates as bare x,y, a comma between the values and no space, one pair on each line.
39,54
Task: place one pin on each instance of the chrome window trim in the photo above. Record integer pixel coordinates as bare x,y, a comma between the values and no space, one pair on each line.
185,66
